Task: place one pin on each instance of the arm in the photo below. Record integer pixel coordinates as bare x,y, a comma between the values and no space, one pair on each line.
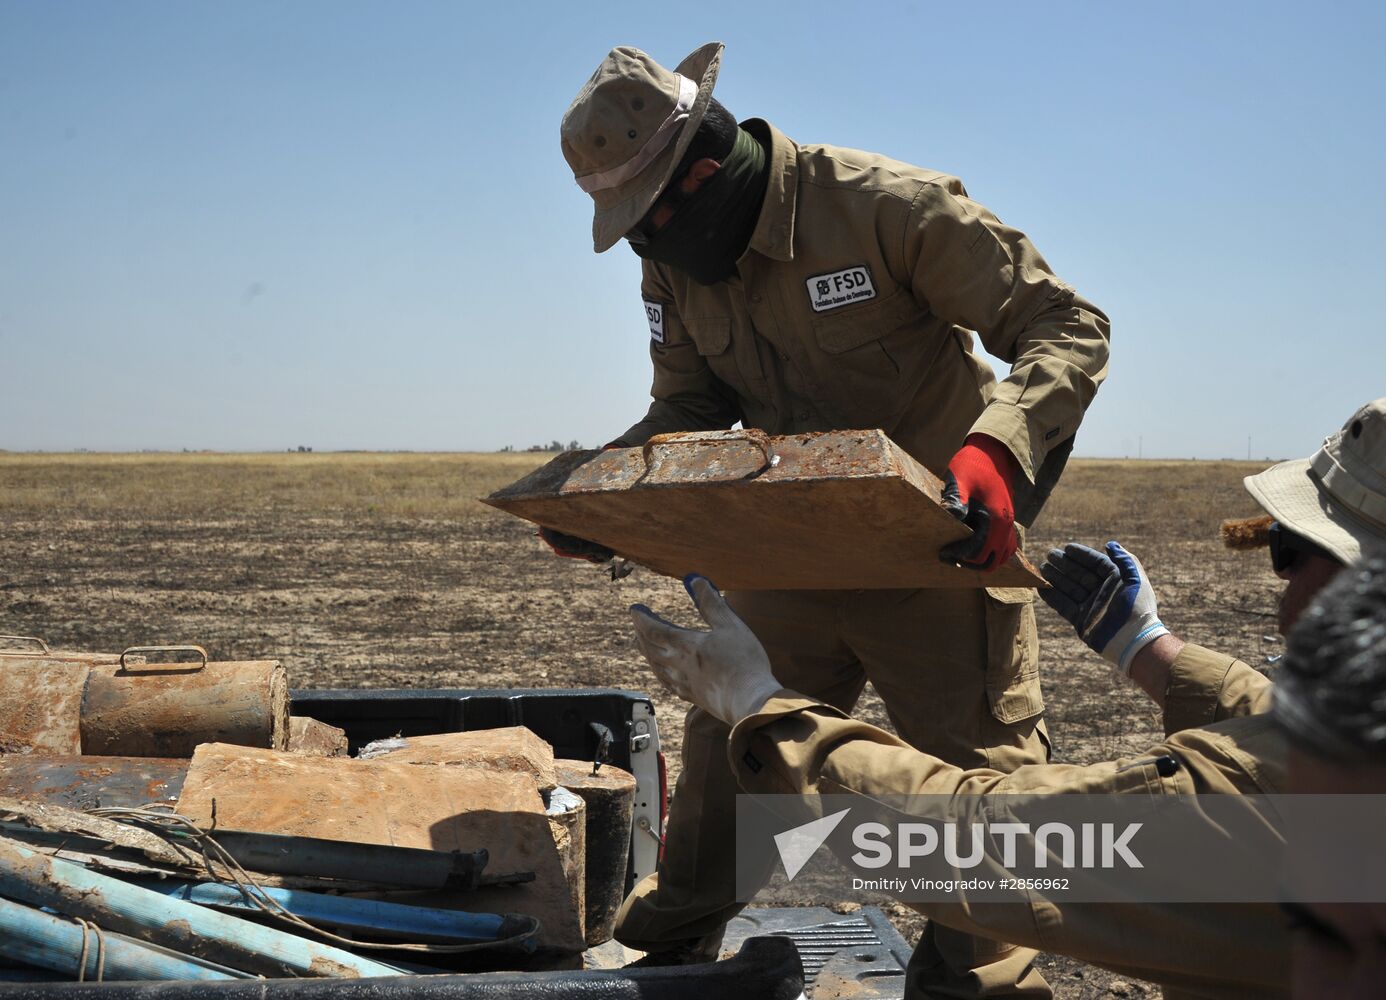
1150,666
1108,600
792,749
1203,687
686,395
973,271
794,746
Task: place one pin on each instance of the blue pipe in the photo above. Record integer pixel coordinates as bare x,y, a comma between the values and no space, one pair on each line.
344,911
36,938
40,880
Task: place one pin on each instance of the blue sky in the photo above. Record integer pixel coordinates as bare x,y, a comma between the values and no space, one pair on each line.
349,225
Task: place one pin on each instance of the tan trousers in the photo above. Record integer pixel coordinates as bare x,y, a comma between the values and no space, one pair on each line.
958,672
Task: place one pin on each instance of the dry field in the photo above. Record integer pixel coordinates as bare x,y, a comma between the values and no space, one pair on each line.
382,570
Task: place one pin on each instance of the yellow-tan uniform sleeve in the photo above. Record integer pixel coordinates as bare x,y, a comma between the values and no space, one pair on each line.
1206,687
982,275
686,395
796,746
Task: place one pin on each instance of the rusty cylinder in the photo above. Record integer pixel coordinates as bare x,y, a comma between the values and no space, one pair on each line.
40,705
167,709
610,798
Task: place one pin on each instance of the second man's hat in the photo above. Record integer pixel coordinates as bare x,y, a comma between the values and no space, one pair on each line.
1337,497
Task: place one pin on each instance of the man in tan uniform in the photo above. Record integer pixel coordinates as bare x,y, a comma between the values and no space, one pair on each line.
1329,510
800,288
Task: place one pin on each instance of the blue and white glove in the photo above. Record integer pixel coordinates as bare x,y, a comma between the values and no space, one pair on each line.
1106,598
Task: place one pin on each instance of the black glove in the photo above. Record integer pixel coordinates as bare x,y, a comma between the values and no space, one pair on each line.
572,547
976,517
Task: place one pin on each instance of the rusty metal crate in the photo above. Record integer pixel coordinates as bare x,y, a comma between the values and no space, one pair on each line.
838,510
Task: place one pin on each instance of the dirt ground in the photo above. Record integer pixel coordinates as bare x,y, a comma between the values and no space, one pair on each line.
364,570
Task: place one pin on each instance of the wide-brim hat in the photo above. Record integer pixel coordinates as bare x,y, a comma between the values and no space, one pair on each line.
629,127
1337,497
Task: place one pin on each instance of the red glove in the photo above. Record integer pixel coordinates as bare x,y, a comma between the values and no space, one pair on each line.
977,492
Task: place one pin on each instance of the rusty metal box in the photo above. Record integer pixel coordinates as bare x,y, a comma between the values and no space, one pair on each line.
838,510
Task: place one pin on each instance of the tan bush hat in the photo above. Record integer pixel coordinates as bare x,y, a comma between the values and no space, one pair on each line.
1337,498
627,129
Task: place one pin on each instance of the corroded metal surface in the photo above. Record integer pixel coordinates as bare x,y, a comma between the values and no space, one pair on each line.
839,510
92,782
610,798
40,705
167,710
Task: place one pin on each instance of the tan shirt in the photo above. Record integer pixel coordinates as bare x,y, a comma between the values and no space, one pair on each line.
797,746
852,309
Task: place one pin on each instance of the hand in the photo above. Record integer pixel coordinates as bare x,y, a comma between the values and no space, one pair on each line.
1106,598
571,547
977,491
724,671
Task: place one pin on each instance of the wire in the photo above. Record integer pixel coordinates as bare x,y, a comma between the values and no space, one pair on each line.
170,826
95,930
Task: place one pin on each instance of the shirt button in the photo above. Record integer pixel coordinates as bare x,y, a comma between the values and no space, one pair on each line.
783,356
755,297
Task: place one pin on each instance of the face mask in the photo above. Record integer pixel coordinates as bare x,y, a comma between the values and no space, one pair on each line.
710,228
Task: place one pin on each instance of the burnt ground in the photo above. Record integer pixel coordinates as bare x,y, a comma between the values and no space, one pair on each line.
380,571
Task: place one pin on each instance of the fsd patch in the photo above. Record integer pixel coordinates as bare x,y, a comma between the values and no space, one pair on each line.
654,312
841,288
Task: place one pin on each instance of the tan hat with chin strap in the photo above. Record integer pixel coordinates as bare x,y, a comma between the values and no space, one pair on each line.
629,127
1337,497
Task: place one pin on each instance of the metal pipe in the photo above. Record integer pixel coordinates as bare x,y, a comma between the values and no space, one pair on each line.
50,942
344,911
168,709
403,866
185,927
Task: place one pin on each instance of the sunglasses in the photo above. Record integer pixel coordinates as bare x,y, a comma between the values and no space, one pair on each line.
1286,547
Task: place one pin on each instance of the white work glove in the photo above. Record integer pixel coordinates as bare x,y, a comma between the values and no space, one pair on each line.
724,671
1106,598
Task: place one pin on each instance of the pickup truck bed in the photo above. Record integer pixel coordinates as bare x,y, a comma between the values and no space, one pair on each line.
781,952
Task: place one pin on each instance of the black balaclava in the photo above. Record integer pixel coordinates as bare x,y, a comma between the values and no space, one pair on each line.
710,229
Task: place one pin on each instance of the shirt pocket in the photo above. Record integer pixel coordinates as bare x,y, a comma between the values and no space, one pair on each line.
1012,669
857,339
713,337
712,334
